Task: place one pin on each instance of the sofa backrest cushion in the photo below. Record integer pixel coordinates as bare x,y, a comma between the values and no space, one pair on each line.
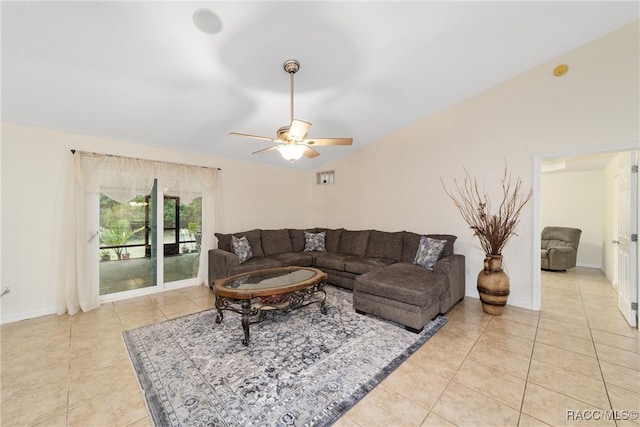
253,236
332,238
354,242
385,245
297,238
412,241
276,241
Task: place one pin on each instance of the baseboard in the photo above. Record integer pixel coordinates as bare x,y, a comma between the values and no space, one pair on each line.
587,265
510,301
104,299
521,304
28,315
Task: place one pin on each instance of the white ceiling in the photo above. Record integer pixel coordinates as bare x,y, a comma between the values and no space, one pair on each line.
142,72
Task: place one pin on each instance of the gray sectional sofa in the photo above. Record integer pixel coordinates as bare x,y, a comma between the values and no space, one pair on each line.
378,266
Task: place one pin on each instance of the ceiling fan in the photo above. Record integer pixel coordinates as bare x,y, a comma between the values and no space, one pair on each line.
292,141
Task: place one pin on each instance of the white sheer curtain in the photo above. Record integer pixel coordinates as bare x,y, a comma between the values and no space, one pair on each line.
122,179
189,182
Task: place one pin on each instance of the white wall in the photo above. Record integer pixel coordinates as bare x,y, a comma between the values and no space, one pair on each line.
33,166
575,199
395,184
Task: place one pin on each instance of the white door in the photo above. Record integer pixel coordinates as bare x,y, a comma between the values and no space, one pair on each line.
627,227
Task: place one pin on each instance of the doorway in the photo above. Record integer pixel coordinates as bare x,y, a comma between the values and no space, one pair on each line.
598,249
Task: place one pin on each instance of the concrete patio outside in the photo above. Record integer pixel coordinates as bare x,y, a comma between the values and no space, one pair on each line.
136,273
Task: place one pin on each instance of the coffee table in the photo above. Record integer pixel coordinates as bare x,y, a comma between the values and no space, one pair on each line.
255,293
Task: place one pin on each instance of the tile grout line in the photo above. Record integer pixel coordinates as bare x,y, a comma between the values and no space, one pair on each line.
526,381
597,358
454,374
604,383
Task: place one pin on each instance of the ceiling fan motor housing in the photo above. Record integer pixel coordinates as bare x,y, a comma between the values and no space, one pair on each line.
283,133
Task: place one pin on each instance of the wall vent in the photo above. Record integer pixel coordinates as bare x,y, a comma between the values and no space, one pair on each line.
326,177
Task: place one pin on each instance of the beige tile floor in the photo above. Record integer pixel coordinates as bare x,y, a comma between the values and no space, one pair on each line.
524,368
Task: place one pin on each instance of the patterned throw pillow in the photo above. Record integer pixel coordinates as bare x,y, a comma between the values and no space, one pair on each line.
428,252
242,248
314,242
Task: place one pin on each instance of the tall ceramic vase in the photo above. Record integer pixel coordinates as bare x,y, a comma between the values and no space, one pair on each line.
493,285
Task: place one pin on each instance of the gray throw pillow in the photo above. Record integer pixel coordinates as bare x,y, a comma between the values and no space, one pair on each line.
314,242
428,251
242,248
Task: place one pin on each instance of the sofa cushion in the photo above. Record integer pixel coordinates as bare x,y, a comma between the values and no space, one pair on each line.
411,242
241,248
275,241
332,238
332,261
404,282
294,258
360,265
385,245
254,264
354,242
428,252
297,238
224,241
314,242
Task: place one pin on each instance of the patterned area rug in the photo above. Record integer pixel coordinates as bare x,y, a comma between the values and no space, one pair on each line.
300,368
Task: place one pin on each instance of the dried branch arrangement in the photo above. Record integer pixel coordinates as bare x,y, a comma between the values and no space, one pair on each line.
493,229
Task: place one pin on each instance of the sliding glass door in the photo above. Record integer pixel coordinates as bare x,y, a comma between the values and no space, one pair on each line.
127,243
129,235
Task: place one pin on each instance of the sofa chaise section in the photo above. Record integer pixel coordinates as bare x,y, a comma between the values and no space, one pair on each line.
410,294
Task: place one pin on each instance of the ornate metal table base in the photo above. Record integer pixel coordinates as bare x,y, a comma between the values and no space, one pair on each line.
254,310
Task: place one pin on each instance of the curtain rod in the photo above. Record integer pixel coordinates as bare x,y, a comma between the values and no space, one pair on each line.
73,151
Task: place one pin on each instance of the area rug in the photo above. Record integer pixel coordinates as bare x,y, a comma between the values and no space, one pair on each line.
300,368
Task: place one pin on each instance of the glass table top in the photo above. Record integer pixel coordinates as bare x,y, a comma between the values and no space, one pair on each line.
270,279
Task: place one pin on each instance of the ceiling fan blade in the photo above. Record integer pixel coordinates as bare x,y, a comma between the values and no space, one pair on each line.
246,135
328,141
264,150
310,153
298,130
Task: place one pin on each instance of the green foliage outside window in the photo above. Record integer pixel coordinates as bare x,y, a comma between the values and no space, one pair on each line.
118,234
122,223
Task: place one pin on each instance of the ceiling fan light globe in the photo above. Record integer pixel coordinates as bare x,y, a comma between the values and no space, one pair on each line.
291,152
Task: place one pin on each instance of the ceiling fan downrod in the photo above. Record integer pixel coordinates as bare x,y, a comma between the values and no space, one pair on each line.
291,66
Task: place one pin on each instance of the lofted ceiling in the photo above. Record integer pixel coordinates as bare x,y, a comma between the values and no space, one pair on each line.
142,72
